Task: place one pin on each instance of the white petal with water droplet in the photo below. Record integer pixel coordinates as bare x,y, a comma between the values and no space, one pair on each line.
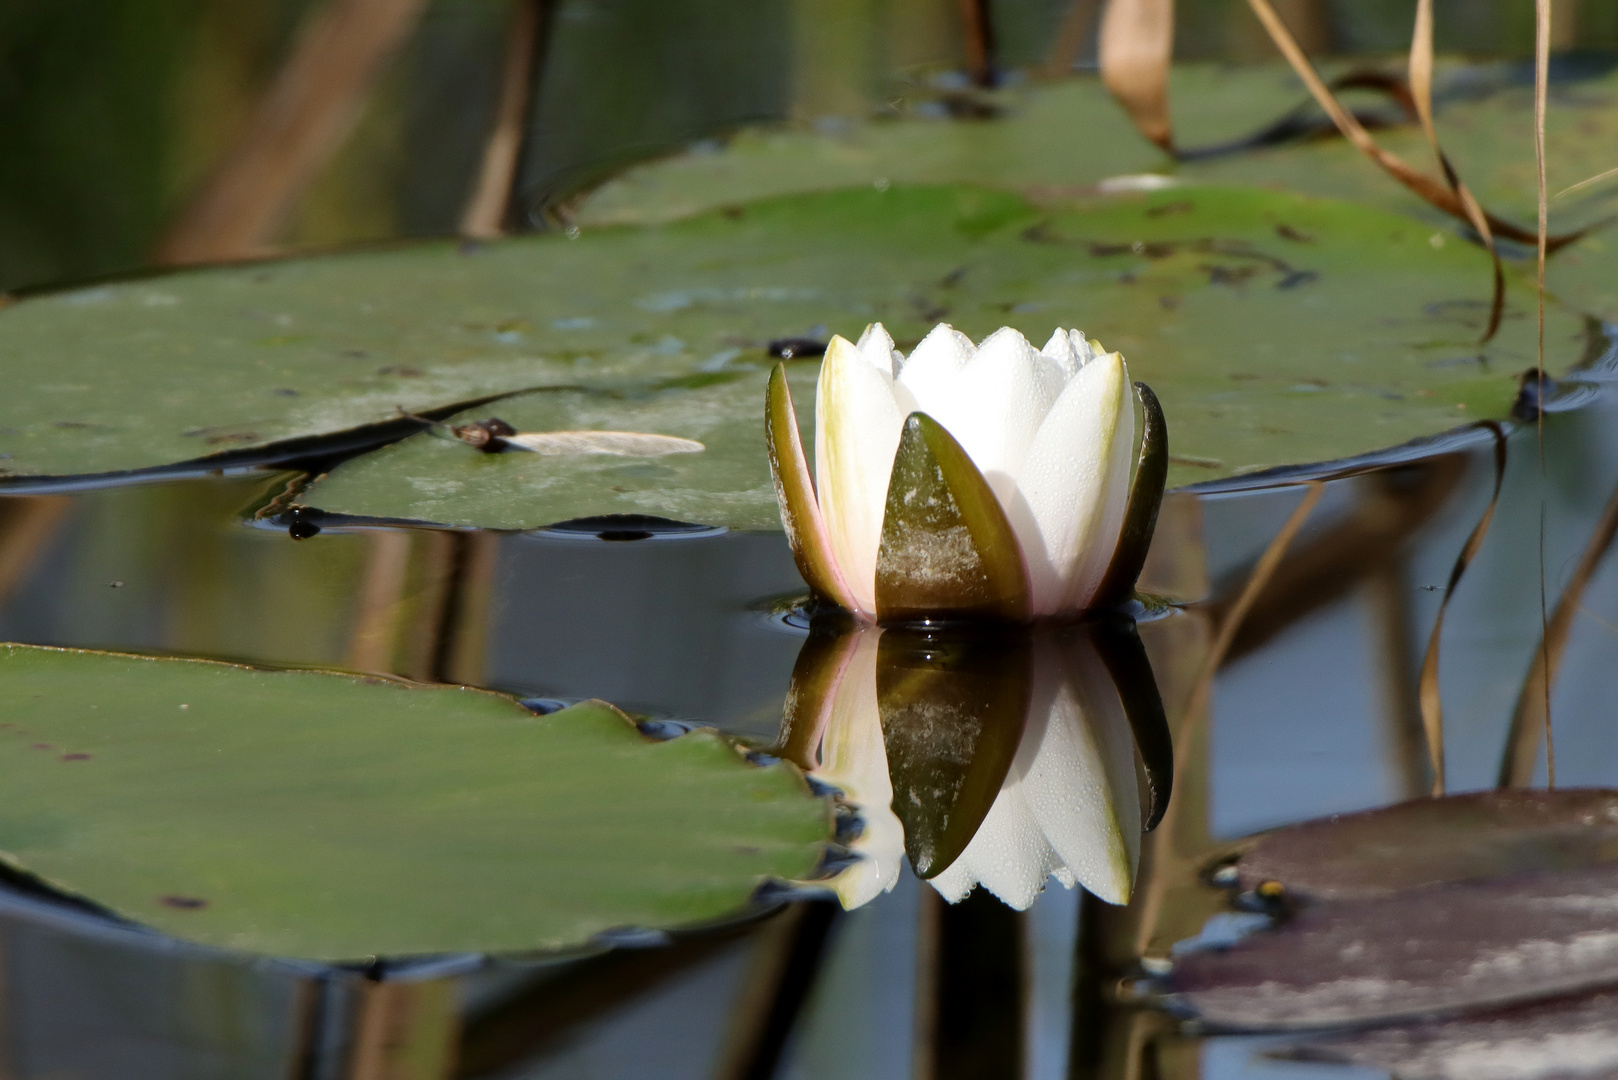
1059,350
876,345
1074,487
926,378
995,406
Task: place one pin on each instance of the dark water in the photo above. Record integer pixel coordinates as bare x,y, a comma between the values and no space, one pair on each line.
1312,711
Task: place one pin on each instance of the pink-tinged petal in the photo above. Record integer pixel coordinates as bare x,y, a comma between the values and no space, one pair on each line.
856,433
926,378
995,406
947,548
1074,487
795,494
876,345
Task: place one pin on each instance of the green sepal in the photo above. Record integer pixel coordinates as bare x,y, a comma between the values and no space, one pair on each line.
947,550
1145,497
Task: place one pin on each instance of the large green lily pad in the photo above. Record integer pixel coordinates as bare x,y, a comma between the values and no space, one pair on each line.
333,816
1276,329
1071,133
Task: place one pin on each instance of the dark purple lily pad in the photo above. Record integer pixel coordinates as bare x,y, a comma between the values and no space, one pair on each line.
1429,951
1429,841
1567,1039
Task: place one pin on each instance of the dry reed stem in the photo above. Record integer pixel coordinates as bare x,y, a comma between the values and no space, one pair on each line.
1530,718
304,117
1542,64
485,215
1428,692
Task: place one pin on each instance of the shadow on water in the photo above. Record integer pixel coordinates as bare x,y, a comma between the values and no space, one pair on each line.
1312,709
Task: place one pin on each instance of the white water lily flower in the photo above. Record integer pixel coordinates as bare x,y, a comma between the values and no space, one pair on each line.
1014,509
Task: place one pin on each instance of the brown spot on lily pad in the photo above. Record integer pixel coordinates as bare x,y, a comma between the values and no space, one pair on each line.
75,757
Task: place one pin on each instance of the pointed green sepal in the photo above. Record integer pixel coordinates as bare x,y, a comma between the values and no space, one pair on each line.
953,708
1145,497
795,493
947,550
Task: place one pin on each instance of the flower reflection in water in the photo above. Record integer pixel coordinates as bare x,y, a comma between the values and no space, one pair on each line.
998,756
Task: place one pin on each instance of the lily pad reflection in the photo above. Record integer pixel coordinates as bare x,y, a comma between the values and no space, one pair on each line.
1002,757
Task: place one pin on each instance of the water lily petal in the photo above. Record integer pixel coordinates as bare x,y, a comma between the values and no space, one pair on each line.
1059,350
947,547
1084,351
995,407
1074,487
856,432
794,492
876,345
926,378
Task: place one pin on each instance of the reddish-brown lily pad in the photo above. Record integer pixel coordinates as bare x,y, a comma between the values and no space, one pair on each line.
1568,1039
1442,949
1428,841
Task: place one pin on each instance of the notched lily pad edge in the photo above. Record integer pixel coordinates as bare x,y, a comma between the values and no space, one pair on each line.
38,898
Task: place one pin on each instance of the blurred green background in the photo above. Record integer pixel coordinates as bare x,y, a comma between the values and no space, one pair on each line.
114,113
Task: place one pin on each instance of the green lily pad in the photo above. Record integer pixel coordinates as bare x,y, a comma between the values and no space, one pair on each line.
1275,329
337,817
1067,134
1071,133
438,478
